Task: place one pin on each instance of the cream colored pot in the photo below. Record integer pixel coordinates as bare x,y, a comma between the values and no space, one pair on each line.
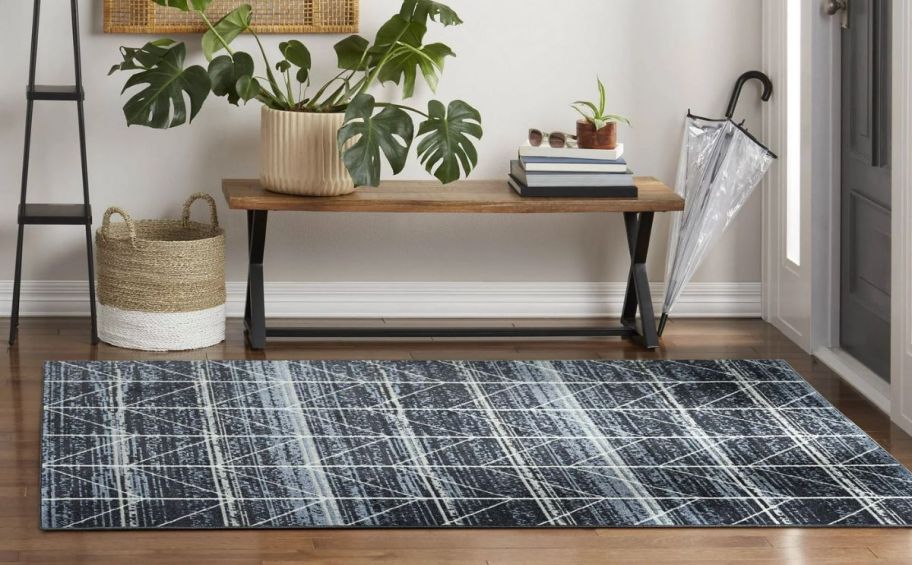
298,154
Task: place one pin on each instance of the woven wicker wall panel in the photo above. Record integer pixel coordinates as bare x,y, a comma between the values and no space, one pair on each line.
269,16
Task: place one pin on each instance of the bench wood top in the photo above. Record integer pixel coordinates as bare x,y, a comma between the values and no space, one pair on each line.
490,197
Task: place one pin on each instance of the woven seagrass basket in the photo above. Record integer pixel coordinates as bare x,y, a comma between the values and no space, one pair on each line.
161,283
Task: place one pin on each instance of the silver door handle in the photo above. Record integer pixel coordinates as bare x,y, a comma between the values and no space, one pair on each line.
833,7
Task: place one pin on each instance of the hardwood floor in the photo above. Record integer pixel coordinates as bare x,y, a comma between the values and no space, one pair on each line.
48,339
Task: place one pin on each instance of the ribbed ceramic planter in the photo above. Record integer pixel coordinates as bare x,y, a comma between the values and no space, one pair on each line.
298,154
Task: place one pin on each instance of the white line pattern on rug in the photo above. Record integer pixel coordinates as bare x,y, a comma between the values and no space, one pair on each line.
260,444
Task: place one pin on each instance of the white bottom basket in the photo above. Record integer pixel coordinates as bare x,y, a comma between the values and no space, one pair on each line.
155,331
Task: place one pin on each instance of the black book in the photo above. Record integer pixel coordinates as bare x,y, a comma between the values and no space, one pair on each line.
574,191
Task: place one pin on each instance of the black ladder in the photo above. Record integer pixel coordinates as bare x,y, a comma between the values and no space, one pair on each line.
54,214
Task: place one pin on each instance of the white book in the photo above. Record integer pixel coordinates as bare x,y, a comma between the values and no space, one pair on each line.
595,167
572,153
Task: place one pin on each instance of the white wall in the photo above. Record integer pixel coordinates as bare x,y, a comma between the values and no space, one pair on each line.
519,61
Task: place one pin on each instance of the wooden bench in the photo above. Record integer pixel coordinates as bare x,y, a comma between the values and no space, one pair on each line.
467,197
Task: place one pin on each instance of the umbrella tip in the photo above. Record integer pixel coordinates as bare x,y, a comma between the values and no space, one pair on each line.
662,321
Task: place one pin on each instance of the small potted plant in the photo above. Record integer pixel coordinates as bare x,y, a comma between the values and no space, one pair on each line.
322,141
597,130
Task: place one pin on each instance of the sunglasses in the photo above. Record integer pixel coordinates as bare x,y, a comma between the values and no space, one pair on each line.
556,139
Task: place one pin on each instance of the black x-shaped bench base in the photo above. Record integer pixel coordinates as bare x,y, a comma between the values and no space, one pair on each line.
638,299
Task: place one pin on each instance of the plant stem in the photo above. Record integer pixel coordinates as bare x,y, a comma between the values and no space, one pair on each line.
401,107
323,89
353,89
216,33
272,80
328,103
419,52
341,96
288,87
268,99
376,72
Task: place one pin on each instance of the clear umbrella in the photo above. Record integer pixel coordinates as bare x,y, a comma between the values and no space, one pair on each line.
721,164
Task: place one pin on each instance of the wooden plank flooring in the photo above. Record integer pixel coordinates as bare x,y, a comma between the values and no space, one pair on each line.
46,339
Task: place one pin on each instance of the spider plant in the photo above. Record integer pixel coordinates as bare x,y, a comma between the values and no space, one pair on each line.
595,114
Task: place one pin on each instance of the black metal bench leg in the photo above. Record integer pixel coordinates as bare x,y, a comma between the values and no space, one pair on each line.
639,296
247,296
255,308
629,311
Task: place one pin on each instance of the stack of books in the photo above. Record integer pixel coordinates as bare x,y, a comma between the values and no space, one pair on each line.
572,173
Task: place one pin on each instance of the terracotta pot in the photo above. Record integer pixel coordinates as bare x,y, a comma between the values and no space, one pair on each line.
298,154
588,138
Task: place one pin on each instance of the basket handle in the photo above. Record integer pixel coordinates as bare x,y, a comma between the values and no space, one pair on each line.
105,224
213,212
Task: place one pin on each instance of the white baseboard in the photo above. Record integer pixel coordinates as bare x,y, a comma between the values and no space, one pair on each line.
864,380
423,300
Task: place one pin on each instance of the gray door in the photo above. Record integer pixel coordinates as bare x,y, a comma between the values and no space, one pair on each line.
865,267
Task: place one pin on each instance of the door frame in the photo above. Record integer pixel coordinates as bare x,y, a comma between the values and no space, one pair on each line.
901,367
811,317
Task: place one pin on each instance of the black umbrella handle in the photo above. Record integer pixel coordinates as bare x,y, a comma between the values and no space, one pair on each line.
662,321
742,80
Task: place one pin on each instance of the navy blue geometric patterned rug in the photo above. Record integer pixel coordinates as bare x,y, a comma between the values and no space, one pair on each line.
317,444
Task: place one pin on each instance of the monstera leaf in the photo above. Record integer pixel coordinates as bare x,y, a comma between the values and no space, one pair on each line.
234,23
185,5
447,143
351,52
404,65
438,12
233,77
400,41
136,58
390,131
398,30
161,103
423,10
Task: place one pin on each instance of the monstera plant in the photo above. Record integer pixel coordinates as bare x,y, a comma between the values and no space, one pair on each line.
165,92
